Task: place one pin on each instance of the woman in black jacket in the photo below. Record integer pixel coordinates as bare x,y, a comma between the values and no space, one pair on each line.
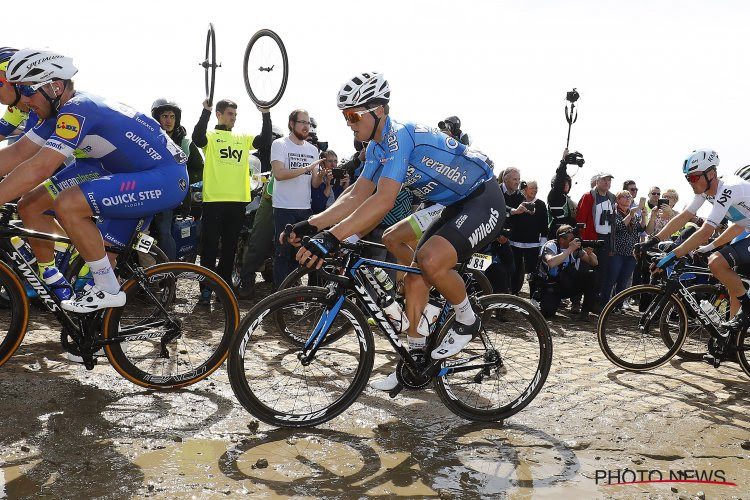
529,230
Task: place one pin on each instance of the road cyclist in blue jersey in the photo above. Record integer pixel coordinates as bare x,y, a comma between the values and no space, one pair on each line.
436,168
126,169
730,198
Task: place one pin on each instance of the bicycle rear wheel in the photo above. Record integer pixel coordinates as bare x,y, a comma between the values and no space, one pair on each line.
743,351
14,313
512,356
633,338
180,347
274,385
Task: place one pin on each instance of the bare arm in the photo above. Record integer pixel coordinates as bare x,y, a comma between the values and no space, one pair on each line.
697,239
30,174
371,212
317,176
348,202
731,233
676,223
281,173
17,153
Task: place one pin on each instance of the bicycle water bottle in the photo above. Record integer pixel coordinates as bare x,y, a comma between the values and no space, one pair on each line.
24,249
428,319
389,305
711,312
62,254
58,283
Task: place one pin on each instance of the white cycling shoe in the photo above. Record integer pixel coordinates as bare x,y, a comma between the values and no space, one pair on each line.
386,383
458,336
92,300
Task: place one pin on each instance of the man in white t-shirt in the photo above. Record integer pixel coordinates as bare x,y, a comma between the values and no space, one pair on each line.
295,167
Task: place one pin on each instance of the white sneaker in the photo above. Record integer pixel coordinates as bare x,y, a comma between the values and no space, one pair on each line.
75,358
92,300
458,336
386,383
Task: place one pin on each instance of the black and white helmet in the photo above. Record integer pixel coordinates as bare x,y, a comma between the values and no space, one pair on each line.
743,172
38,67
364,89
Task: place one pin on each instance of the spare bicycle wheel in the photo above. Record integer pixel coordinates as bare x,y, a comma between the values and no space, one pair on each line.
209,63
266,68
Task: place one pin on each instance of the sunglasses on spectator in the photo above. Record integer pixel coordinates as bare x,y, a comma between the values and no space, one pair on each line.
655,193
355,116
25,90
633,189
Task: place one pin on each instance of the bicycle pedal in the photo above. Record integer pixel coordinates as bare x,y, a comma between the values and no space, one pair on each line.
396,390
711,360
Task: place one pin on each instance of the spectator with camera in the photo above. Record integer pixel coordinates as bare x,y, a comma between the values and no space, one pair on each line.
663,213
561,275
561,208
335,180
628,226
528,235
502,271
597,211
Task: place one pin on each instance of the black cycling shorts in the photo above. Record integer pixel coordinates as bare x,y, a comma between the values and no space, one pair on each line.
472,223
737,253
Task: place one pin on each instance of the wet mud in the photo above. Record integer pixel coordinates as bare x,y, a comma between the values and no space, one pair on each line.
69,433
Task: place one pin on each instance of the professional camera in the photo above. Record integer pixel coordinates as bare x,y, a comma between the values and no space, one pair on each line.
572,96
586,243
338,173
574,158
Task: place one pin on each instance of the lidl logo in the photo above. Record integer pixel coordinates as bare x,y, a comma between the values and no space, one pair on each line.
68,127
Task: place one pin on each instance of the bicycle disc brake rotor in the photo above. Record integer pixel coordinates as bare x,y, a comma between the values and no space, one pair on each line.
407,378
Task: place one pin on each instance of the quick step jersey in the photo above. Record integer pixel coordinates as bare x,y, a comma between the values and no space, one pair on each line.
432,165
120,137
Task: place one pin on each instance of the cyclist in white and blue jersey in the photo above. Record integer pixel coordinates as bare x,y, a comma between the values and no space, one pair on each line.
435,167
730,197
126,169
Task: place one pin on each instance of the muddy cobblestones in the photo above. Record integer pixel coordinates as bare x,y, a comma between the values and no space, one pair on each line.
66,432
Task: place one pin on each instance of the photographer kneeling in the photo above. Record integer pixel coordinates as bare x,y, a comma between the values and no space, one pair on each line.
560,274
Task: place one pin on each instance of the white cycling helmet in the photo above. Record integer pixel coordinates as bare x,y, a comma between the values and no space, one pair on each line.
39,67
699,161
363,89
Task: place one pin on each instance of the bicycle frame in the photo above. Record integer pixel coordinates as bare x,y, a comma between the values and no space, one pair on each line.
355,274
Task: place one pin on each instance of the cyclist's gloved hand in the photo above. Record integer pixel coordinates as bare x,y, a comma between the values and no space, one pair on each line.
666,261
294,233
649,243
315,249
705,248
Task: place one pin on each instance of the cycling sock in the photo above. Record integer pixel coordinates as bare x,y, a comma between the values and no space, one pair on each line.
464,312
416,342
104,275
43,266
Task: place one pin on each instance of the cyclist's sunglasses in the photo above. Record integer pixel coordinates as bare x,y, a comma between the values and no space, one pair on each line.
355,116
693,178
25,90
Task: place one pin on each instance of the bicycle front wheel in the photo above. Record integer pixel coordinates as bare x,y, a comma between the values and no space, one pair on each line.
743,351
694,347
14,312
167,344
275,385
632,328
501,371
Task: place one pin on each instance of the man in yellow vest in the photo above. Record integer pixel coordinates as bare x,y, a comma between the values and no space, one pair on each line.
226,184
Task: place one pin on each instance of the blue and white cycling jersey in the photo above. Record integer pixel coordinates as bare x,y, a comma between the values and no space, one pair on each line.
732,201
120,137
432,165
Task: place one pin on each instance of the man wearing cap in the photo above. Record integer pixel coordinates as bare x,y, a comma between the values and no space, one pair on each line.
597,210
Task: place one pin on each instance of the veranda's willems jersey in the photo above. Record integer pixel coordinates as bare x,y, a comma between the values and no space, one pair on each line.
432,165
120,137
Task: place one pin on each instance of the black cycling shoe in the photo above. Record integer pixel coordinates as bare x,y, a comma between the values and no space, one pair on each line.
712,360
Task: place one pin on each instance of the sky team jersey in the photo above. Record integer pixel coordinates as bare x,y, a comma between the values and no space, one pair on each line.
121,138
10,121
732,201
432,165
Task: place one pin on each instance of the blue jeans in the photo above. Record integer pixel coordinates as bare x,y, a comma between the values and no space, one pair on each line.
162,228
283,258
619,273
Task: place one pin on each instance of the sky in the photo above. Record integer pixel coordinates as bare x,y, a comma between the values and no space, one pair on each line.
657,79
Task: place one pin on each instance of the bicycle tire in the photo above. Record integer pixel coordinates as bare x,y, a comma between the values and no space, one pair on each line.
12,330
210,67
260,355
141,361
743,351
481,284
694,346
616,331
285,69
529,336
